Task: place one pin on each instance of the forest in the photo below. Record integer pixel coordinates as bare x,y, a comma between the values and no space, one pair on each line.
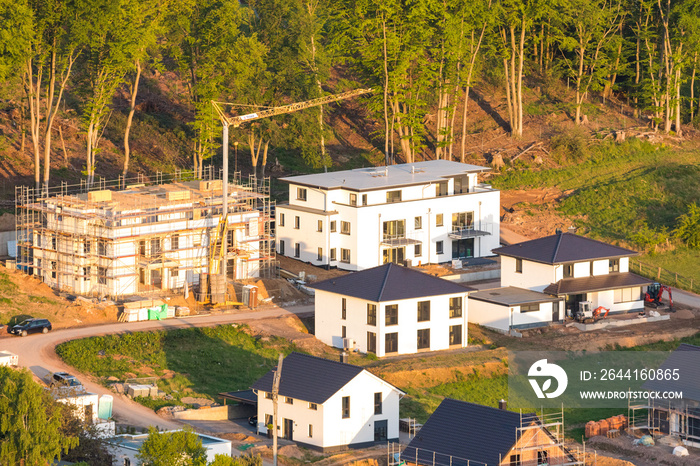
421,58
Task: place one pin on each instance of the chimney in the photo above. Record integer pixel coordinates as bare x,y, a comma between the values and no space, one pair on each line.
572,230
558,231
502,404
344,357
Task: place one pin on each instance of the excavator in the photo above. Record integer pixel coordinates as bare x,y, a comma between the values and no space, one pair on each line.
585,315
654,293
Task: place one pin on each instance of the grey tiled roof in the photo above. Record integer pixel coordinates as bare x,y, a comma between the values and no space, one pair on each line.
562,248
360,179
686,358
389,282
309,378
609,281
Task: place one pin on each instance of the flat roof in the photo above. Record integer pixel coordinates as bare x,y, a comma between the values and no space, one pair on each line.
241,396
367,179
609,281
512,296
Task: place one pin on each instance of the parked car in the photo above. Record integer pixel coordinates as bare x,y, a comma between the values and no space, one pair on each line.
63,379
253,420
30,326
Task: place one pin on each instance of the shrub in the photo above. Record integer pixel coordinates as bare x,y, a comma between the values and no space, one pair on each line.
688,229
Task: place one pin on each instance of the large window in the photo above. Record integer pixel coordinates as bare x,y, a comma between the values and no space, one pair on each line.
625,295
346,407
378,403
393,196
530,307
345,255
455,334
391,343
391,314
175,242
613,265
456,307
394,229
462,220
371,342
423,311
345,228
353,199
371,314
301,194
424,338
515,460
441,189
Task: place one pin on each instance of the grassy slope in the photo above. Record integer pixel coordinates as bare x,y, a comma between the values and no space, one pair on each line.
626,193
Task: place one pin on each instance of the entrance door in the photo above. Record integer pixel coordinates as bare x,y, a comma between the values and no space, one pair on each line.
380,431
661,418
555,311
155,278
463,248
395,255
289,429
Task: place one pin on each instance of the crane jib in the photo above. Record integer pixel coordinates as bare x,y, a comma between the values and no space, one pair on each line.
249,116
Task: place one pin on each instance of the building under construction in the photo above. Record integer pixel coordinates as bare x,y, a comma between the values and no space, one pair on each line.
129,237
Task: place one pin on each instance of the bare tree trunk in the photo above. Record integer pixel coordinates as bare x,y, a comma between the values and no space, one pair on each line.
33,92
692,88
134,88
679,130
579,78
667,63
264,159
520,79
386,95
63,145
637,75
607,92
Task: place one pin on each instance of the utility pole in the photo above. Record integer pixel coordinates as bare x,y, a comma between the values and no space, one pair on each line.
275,395
224,208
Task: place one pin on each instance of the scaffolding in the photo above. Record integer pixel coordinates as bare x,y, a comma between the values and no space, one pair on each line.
145,234
541,441
657,419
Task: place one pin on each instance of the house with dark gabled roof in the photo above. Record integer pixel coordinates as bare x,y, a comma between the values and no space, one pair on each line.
329,405
575,268
460,433
389,310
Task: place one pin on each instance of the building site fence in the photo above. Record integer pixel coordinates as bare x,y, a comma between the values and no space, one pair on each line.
666,277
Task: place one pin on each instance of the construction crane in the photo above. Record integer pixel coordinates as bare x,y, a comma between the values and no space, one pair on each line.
219,254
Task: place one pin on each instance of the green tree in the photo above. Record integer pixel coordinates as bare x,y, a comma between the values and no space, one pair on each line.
91,447
247,460
30,421
688,229
182,448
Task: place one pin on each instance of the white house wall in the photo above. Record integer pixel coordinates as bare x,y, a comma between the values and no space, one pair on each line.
302,416
491,315
535,275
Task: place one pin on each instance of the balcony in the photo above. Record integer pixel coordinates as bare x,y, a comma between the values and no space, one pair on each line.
466,231
398,240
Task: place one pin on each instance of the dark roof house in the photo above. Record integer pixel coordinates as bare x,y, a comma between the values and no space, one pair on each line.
389,282
686,359
562,248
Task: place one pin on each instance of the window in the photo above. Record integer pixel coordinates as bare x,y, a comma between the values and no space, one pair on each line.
418,250
268,395
174,273
530,307
423,311
518,266
332,251
313,406
438,220
394,229
86,273
319,226
438,247
591,269
624,295
102,247
301,194
345,255
346,407
102,275
613,265
461,220
371,342
343,309
311,431
53,269
353,199
319,256
456,307
289,400
441,189
282,247
393,196
542,457
344,332
455,334
297,222
371,314
87,247
333,226
391,314
391,343
53,242
424,338
378,403
268,420
364,199
344,228
155,247
515,460
568,270
418,223
281,222
297,249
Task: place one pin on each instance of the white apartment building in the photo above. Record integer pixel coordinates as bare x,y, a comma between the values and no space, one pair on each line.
328,405
389,310
420,213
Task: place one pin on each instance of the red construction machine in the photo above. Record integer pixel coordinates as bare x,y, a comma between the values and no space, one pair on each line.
654,294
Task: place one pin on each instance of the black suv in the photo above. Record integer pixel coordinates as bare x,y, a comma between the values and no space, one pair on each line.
63,379
30,326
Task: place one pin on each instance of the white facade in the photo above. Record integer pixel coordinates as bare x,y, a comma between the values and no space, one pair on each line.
86,408
442,330
325,426
378,221
504,316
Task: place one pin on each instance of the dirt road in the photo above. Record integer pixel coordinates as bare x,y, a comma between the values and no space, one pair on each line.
37,353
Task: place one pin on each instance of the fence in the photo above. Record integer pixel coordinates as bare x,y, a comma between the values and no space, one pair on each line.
664,276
